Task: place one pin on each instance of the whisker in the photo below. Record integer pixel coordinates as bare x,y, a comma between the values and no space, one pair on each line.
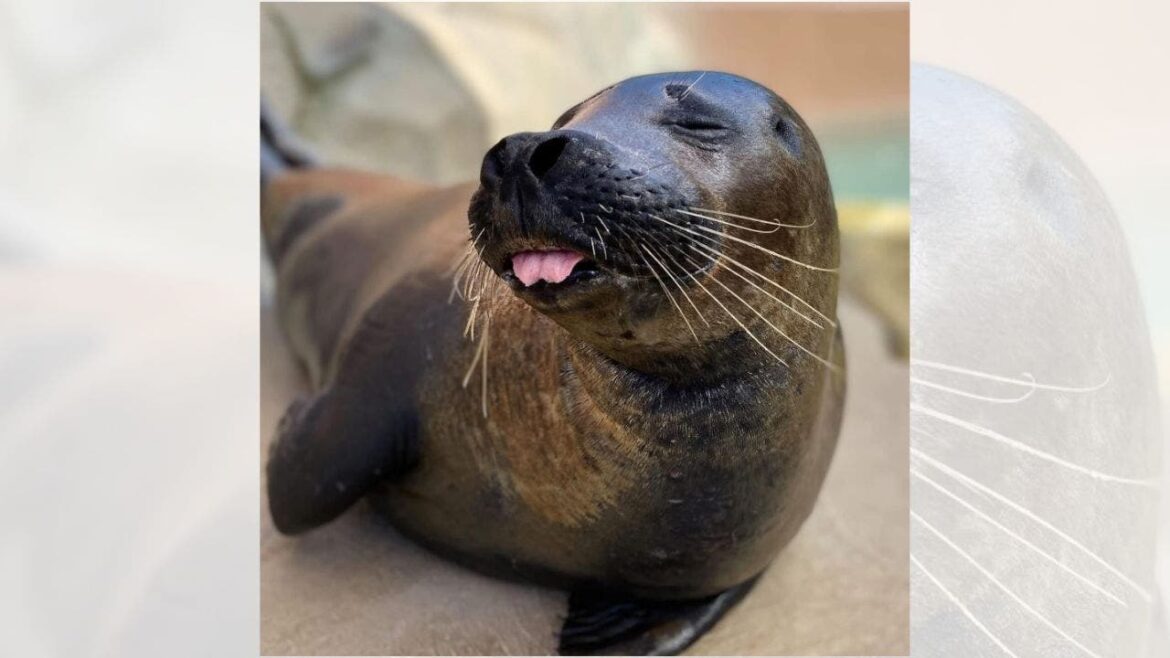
670,296
1030,383
770,222
461,260
727,223
457,274
688,89
990,576
486,334
604,253
645,173
475,281
1025,448
666,254
831,366
975,485
752,245
680,287
974,396
962,608
469,327
474,361
737,321
986,517
757,287
719,255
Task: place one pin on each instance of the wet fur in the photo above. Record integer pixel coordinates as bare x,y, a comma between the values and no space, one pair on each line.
616,451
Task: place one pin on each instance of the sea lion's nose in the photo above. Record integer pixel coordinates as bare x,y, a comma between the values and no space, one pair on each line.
546,154
536,159
496,160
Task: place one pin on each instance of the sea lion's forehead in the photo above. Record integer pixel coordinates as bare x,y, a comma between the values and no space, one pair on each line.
713,85
649,95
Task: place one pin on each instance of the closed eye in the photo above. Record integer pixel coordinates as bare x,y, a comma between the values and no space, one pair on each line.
699,125
702,133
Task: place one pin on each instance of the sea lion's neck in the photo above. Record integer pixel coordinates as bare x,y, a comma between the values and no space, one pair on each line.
649,404
693,368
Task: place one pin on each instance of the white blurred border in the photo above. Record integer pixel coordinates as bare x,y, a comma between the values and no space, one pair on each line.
129,267
1094,71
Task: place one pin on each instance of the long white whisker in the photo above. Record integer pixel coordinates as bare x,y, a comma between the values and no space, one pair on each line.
469,327
662,285
990,576
719,255
750,244
727,223
737,321
974,396
975,485
1030,382
680,287
783,303
474,361
487,325
457,274
983,515
817,357
688,89
753,219
1025,448
962,608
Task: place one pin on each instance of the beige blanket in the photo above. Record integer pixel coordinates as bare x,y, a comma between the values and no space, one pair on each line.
840,588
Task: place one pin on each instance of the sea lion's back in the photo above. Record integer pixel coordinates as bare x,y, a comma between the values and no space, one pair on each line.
341,239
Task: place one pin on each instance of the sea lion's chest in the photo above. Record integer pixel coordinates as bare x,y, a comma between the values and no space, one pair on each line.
557,475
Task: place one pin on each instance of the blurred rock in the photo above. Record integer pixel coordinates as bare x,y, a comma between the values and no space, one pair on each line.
408,89
875,263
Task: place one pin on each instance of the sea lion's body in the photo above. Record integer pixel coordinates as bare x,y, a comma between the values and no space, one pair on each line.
576,473
599,447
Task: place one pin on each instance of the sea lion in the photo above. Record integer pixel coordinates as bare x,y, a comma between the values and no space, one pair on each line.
640,392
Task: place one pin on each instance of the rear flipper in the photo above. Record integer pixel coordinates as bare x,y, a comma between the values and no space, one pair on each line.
328,453
606,623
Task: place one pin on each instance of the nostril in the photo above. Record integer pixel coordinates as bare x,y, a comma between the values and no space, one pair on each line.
493,163
545,155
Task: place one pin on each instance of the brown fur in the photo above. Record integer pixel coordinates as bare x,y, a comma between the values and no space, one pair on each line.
615,449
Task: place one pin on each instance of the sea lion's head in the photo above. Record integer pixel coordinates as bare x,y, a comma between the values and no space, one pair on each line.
662,214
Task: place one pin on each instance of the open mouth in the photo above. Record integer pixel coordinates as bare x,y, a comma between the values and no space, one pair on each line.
553,267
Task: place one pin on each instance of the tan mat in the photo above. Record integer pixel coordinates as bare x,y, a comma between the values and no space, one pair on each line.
356,587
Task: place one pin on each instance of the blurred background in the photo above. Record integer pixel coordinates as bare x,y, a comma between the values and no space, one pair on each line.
422,91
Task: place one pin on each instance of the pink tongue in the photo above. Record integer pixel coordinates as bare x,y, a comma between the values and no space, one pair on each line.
552,266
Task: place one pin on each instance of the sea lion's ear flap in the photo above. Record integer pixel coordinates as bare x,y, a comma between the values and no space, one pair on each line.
324,458
789,134
601,622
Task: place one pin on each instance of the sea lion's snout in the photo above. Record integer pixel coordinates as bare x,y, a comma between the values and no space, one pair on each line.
571,191
539,160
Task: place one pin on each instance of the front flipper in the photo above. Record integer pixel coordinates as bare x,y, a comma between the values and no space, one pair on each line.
605,623
329,451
